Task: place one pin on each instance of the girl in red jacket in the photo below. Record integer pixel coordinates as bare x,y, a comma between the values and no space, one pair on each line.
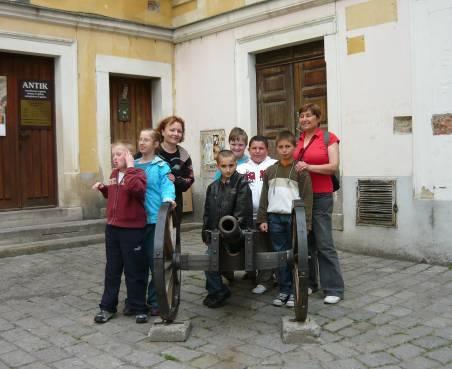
124,233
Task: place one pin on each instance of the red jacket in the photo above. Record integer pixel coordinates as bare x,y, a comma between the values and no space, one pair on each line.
125,204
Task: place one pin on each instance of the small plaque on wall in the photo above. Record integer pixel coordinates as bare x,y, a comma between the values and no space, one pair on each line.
35,103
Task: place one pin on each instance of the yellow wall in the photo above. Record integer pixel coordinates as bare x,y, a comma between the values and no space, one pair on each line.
131,10
169,13
89,44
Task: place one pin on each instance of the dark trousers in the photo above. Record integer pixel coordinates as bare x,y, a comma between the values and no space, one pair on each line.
280,231
324,259
125,251
214,284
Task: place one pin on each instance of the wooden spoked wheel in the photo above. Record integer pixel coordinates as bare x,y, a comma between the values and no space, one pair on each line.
300,261
167,274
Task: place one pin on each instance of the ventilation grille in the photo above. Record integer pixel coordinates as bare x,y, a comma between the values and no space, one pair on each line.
376,202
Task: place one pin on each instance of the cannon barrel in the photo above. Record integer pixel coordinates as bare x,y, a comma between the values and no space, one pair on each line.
231,234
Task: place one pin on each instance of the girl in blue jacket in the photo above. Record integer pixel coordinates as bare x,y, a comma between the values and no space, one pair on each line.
158,189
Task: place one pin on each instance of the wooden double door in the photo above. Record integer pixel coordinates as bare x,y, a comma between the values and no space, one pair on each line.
286,79
130,108
27,138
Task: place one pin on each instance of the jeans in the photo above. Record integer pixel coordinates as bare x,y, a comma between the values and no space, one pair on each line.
280,231
124,251
214,284
149,247
322,250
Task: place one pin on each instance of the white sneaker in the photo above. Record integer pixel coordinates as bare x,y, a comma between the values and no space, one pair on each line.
309,291
281,299
331,299
259,289
291,301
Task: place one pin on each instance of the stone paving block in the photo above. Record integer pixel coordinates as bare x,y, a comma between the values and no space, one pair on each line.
205,361
6,347
378,359
443,355
181,353
33,366
51,354
174,332
103,361
72,363
17,358
406,351
430,342
172,365
420,363
5,325
344,364
340,350
338,324
298,332
273,342
143,359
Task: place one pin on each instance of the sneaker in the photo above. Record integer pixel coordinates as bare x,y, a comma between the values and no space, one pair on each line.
259,289
154,311
281,299
309,291
141,318
103,316
217,301
331,300
291,301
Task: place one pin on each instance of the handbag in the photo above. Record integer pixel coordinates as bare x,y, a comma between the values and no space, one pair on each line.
334,178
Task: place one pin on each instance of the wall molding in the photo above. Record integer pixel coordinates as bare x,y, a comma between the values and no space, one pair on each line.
233,19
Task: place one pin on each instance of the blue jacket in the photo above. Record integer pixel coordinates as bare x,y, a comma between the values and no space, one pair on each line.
158,186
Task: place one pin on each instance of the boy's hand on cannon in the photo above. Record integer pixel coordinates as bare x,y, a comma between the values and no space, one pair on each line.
97,186
263,227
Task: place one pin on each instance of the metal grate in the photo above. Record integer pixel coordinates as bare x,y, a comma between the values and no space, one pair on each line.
376,202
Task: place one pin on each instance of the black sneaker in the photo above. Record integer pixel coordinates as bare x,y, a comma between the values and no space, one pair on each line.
141,318
218,301
103,316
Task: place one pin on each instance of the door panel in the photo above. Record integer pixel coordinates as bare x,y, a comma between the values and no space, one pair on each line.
27,164
275,101
286,79
137,94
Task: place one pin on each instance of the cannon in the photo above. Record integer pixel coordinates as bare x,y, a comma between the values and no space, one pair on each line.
169,261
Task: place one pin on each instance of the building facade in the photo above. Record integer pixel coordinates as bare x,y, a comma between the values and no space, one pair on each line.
381,70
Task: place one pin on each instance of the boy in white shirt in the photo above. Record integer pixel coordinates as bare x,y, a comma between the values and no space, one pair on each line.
254,170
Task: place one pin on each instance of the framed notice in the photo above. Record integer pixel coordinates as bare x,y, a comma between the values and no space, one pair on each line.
35,103
3,100
212,142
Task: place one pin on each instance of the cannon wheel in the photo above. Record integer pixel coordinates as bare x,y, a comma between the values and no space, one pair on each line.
300,262
167,274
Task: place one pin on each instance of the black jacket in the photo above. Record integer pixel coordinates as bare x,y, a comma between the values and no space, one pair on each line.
231,198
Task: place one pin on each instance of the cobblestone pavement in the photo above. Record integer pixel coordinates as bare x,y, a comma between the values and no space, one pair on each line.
396,314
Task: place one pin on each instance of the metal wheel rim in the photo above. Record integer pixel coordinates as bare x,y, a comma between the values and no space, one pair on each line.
300,263
167,275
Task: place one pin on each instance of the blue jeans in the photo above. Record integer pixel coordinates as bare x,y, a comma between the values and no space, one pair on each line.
149,248
322,250
280,231
214,284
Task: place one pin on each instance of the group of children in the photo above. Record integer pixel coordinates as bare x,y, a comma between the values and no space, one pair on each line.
258,192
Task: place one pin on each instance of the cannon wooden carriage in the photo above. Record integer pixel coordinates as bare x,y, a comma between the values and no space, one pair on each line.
169,261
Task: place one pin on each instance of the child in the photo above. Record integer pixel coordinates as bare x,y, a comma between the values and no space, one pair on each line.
282,184
159,188
238,139
254,170
229,195
124,234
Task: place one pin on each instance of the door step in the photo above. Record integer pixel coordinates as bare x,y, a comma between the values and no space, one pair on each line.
56,244
32,217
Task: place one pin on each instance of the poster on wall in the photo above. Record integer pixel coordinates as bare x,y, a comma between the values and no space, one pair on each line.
35,103
212,142
3,99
